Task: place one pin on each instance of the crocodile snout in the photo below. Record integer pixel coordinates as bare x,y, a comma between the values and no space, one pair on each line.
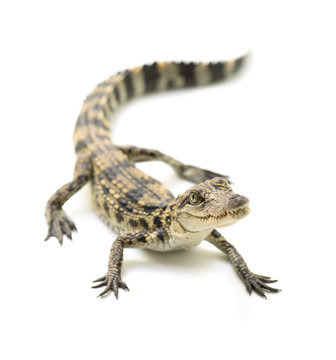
237,201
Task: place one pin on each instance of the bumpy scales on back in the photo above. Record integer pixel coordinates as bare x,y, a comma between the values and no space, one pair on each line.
139,208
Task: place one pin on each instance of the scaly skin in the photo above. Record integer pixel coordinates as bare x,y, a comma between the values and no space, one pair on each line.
139,208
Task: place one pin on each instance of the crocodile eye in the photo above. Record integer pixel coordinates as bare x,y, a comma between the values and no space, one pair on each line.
195,198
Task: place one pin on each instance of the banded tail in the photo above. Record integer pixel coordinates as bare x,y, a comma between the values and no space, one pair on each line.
93,125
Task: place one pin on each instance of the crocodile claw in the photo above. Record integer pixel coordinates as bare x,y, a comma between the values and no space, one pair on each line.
111,283
258,284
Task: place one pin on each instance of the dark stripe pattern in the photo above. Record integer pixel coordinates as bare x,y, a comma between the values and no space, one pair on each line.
238,63
217,71
128,84
151,76
187,71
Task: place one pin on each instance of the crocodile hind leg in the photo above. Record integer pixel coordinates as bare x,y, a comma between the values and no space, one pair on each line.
188,172
58,222
253,282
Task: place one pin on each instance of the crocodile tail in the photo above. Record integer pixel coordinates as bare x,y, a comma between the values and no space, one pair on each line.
92,131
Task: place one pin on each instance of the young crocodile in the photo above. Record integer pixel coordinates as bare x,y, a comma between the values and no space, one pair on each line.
133,204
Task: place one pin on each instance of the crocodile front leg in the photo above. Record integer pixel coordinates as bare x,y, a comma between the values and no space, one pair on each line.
253,282
112,279
140,239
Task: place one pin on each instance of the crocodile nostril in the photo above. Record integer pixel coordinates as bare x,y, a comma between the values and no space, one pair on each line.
237,201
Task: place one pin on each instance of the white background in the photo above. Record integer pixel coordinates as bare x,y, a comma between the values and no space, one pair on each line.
272,129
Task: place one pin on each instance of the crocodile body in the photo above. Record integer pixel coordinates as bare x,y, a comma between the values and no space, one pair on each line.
136,206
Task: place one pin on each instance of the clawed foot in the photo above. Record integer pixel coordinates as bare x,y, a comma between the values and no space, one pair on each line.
59,224
112,283
258,284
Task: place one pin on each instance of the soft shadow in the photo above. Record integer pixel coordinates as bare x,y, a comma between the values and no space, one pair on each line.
194,258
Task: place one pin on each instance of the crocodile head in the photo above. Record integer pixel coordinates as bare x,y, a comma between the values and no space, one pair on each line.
210,204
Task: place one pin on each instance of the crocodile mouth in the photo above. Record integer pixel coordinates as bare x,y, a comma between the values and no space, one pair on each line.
240,212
